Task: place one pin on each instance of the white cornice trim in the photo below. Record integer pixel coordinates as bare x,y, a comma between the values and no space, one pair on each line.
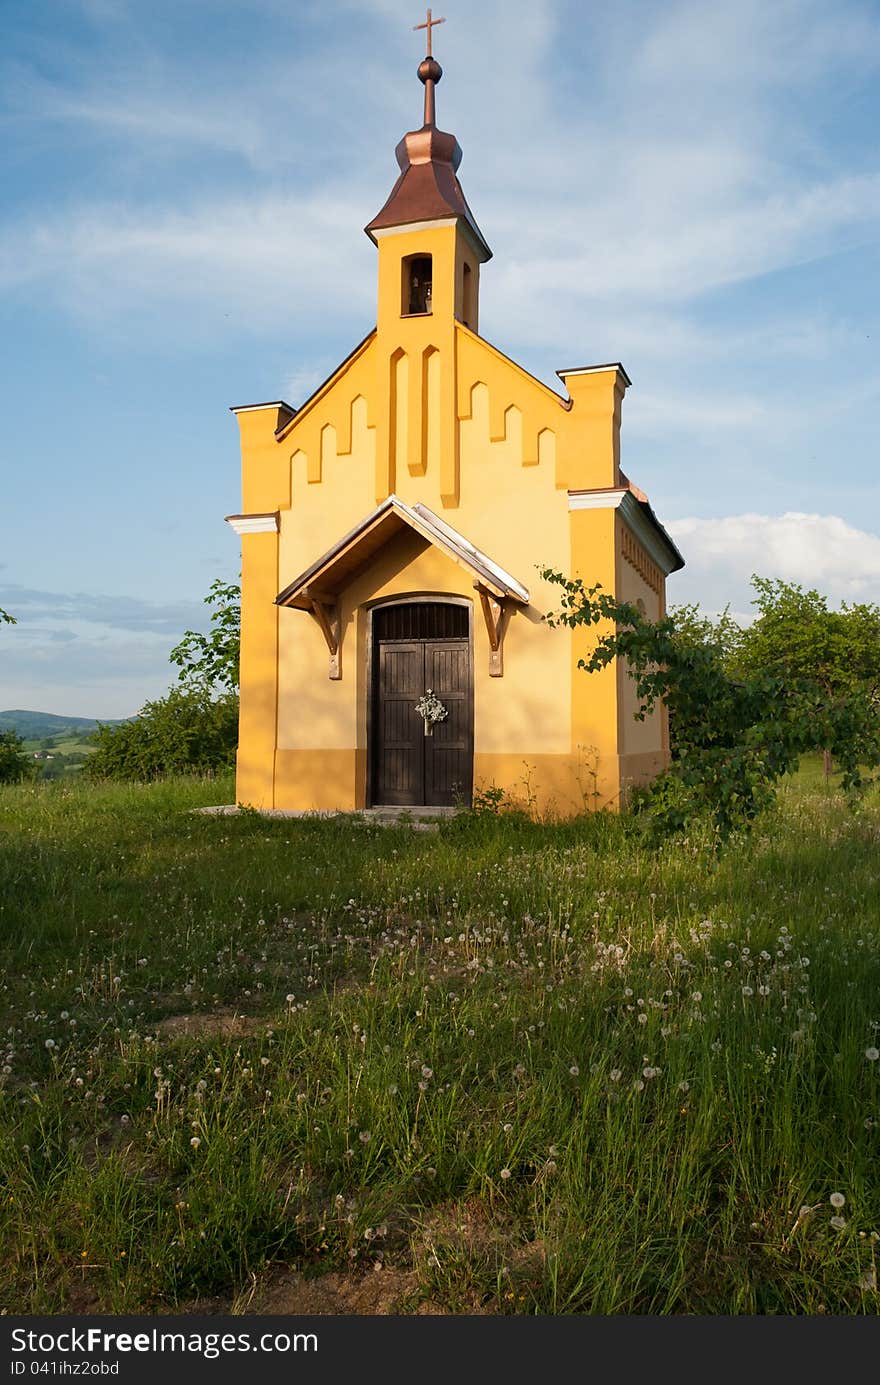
254,524
435,225
596,500
633,517
381,231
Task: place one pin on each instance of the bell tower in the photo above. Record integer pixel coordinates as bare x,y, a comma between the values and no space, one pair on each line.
430,252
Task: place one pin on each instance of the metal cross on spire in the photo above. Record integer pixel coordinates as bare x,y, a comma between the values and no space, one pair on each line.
430,70
429,25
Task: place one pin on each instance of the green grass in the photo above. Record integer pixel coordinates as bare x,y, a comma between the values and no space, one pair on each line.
430,1051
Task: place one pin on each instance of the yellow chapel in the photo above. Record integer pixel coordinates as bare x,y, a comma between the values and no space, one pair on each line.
394,646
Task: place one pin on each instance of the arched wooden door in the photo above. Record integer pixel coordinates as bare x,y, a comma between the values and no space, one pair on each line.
417,645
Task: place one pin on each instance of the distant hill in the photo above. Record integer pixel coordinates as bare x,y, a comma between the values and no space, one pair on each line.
35,726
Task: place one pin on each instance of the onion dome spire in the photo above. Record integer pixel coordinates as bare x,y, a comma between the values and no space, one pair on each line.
427,189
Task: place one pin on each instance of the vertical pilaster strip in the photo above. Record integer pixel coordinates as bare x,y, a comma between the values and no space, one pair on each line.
416,408
386,425
595,696
450,483
258,707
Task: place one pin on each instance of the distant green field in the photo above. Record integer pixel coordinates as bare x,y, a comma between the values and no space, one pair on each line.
506,1066
63,745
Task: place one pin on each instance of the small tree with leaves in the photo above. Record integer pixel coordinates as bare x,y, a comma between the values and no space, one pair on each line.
735,735
15,763
800,640
194,727
211,660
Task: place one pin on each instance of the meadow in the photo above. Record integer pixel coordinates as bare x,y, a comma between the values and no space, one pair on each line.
505,1067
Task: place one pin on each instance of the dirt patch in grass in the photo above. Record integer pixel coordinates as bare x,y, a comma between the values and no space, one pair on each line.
378,1292
463,1237
227,1023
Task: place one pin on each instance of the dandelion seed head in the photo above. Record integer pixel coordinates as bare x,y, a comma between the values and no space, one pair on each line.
838,1223
837,1200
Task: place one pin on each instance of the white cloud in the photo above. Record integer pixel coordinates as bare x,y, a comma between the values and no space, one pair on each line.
821,551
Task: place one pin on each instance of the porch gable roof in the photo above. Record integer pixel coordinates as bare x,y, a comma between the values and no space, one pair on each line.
325,578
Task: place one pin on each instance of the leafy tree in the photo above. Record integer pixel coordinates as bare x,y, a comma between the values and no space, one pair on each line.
212,660
736,734
693,626
6,618
15,763
798,639
194,727
186,731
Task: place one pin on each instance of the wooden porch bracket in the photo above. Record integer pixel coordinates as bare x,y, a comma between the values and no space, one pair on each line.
326,613
495,614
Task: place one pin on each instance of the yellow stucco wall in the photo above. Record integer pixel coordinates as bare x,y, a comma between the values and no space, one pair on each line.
427,410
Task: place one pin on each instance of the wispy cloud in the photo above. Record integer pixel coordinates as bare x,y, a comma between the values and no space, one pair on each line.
114,613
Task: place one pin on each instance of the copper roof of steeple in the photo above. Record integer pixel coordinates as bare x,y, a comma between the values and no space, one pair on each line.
427,189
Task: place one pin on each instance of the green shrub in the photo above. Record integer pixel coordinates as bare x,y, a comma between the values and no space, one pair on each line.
15,764
186,731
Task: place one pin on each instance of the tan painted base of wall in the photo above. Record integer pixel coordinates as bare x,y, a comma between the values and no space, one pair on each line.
549,785
320,780
253,781
327,780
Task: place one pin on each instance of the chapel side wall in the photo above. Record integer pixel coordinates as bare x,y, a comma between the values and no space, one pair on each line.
644,744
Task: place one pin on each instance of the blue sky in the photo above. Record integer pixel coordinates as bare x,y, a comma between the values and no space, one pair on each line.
691,189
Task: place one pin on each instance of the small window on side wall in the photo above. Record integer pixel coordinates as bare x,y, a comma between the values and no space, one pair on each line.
416,296
467,297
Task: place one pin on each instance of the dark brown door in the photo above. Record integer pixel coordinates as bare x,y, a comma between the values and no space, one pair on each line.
400,758
410,768
448,755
